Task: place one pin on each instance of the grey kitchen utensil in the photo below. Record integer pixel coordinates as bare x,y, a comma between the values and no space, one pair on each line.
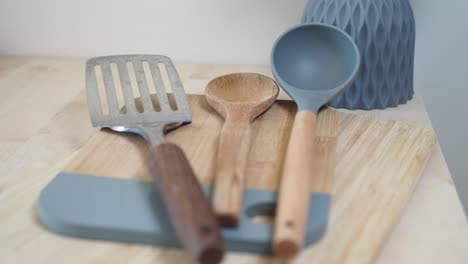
313,63
384,31
188,209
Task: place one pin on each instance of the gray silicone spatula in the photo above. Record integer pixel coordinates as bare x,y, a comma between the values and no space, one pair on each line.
312,63
188,209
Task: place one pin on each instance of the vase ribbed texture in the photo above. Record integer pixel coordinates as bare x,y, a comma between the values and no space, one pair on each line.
384,31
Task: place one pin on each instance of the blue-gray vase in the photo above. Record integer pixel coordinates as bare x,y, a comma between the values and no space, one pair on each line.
384,31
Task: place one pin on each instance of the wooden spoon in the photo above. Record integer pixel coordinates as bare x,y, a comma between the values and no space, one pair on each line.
239,98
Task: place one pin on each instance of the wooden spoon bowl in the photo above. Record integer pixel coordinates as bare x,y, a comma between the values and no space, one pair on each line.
239,98
245,93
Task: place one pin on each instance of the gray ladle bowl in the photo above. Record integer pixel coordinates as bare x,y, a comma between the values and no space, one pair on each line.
312,63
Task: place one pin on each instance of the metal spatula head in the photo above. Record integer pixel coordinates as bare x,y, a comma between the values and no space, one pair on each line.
145,70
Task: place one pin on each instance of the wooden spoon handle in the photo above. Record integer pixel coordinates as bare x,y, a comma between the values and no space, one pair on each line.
234,145
293,202
187,207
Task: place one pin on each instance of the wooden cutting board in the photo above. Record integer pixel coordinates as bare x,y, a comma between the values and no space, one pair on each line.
378,164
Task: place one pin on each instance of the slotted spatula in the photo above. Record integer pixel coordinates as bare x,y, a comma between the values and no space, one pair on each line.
188,209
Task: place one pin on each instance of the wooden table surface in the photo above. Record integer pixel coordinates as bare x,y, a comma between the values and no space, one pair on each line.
41,97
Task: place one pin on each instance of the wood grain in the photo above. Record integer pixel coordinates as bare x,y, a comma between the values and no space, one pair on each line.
325,145
189,210
377,167
123,155
378,164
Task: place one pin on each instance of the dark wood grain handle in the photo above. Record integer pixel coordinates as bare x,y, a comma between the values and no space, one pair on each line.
187,207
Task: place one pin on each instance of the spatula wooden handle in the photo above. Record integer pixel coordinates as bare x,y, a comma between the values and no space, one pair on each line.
187,207
293,202
234,144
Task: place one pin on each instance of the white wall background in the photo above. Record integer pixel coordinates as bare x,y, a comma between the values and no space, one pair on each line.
231,31
441,72
241,31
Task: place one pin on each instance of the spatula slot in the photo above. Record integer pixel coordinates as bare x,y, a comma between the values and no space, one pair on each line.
101,90
134,85
159,87
151,87
167,84
118,87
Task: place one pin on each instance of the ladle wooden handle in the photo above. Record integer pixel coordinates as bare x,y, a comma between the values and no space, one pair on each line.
234,145
293,202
